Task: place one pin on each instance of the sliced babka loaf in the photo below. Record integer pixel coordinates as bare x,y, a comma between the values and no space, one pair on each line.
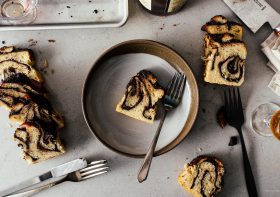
10,67
23,56
141,96
224,53
38,140
224,60
203,176
23,93
220,25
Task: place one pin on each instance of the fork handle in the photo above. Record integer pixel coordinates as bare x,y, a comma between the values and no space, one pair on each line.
36,190
249,177
144,170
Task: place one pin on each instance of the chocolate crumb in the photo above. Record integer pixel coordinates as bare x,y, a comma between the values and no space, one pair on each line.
95,11
68,6
3,42
51,40
221,117
233,141
71,16
89,1
168,177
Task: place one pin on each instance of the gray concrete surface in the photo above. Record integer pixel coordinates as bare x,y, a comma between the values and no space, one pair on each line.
71,57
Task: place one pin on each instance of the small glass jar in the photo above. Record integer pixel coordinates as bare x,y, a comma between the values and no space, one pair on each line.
17,12
162,7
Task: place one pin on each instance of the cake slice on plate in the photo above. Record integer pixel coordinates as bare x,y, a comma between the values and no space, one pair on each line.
141,96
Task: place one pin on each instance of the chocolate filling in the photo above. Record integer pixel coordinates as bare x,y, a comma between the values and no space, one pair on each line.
232,69
136,88
198,162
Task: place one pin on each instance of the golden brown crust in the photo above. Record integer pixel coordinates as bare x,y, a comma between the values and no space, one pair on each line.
220,25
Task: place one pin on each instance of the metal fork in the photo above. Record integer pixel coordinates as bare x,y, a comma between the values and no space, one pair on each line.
171,100
93,169
235,118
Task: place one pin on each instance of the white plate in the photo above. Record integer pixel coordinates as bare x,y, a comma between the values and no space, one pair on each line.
107,86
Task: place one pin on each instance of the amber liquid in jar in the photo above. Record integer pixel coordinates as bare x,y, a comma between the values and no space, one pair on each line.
275,124
162,7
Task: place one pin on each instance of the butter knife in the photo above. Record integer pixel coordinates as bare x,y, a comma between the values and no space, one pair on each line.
55,172
255,13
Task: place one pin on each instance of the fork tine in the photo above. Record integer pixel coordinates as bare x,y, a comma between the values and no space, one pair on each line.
90,167
239,98
235,103
230,100
174,85
95,174
226,100
93,171
97,162
171,84
180,87
240,108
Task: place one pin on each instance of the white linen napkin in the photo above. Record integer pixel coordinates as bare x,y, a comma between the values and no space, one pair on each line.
271,48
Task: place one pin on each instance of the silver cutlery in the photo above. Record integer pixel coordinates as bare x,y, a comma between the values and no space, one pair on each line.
93,169
235,118
55,172
171,100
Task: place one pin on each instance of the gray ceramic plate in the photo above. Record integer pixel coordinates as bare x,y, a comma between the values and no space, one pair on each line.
105,86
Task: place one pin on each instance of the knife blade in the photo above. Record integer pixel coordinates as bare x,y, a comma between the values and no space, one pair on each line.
55,172
255,13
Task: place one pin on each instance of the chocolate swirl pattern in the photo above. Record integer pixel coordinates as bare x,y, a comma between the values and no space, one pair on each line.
232,69
224,52
203,177
23,94
141,96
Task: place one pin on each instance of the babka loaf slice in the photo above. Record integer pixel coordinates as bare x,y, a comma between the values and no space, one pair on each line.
141,96
11,67
203,177
220,25
23,56
26,99
39,141
224,60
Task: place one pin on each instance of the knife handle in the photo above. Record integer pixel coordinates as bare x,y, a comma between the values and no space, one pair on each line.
36,190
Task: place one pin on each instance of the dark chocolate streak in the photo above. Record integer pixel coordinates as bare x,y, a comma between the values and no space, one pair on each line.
213,162
26,142
48,128
33,158
218,38
239,68
135,85
24,80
